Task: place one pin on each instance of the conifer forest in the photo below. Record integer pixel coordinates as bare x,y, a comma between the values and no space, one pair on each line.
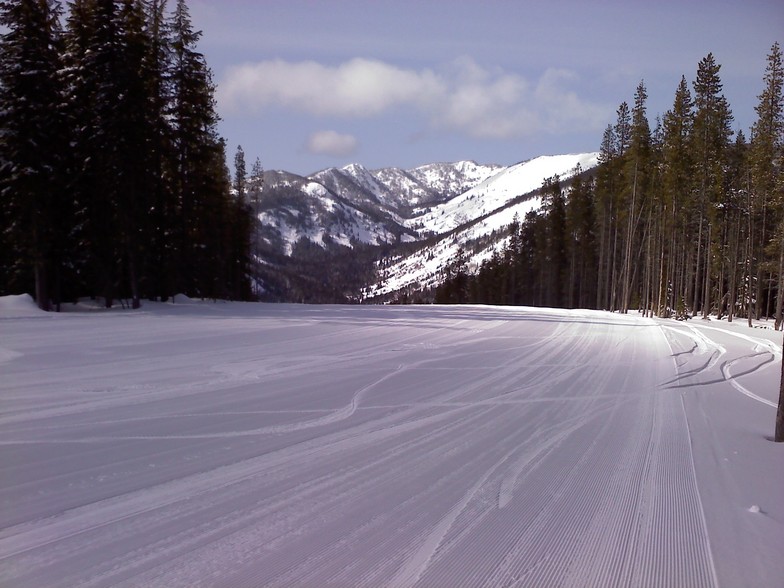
113,178
681,219
114,184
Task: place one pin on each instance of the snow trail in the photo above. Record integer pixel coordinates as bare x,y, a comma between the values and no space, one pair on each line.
278,445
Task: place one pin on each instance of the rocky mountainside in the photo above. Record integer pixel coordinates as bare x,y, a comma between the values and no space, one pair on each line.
350,233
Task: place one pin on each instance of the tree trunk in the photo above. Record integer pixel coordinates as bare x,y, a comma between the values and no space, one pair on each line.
706,302
779,437
697,271
41,286
780,288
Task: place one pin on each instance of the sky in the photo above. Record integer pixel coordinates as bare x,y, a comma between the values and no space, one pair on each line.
305,85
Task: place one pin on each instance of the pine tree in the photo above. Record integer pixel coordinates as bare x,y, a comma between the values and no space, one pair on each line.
555,269
767,156
637,160
581,245
677,176
779,431
34,212
198,155
255,190
161,252
240,173
711,135
605,190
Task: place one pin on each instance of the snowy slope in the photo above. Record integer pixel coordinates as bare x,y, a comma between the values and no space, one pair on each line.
294,208
498,189
282,445
490,199
442,206
378,204
355,183
451,179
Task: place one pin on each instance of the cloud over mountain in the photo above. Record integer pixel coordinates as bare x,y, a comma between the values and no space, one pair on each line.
462,97
331,143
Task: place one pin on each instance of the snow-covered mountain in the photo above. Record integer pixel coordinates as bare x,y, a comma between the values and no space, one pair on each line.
484,210
434,209
295,208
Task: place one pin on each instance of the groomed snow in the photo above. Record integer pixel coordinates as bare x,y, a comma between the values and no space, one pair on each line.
240,445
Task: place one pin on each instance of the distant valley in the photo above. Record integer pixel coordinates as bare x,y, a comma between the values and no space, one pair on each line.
351,234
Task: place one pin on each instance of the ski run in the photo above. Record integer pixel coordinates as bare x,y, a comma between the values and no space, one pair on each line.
230,444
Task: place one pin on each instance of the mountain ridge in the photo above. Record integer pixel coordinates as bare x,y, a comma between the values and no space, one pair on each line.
396,217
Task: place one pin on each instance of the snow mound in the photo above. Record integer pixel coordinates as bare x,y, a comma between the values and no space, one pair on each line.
18,305
182,299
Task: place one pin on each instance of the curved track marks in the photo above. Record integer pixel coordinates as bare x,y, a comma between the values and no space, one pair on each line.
426,446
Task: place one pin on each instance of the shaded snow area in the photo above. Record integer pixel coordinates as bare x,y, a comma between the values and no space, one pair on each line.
282,445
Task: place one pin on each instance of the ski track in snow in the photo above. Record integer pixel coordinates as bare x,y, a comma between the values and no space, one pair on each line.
764,355
304,446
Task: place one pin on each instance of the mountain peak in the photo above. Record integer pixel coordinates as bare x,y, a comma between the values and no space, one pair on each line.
443,206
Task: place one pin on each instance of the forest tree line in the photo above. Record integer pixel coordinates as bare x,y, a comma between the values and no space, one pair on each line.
113,178
678,220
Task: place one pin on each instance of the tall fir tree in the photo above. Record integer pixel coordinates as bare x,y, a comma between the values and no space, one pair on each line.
240,173
34,207
677,178
711,136
198,157
767,157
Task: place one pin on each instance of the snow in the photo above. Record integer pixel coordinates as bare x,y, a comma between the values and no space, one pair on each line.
498,189
242,444
491,200
19,305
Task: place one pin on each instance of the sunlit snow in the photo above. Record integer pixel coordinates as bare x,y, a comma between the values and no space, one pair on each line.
230,444
492,202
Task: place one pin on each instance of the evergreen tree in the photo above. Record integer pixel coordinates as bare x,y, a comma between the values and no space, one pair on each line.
677,176
767,157
240,173
114,180
198,157
636,163
711,135
604,214
33,137
623,129
555,268
255,189
581,245
161,254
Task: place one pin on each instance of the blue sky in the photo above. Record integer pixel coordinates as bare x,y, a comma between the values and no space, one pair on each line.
305,85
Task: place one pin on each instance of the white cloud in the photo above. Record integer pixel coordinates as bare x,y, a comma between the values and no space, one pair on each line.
357,88
331,143
464,97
